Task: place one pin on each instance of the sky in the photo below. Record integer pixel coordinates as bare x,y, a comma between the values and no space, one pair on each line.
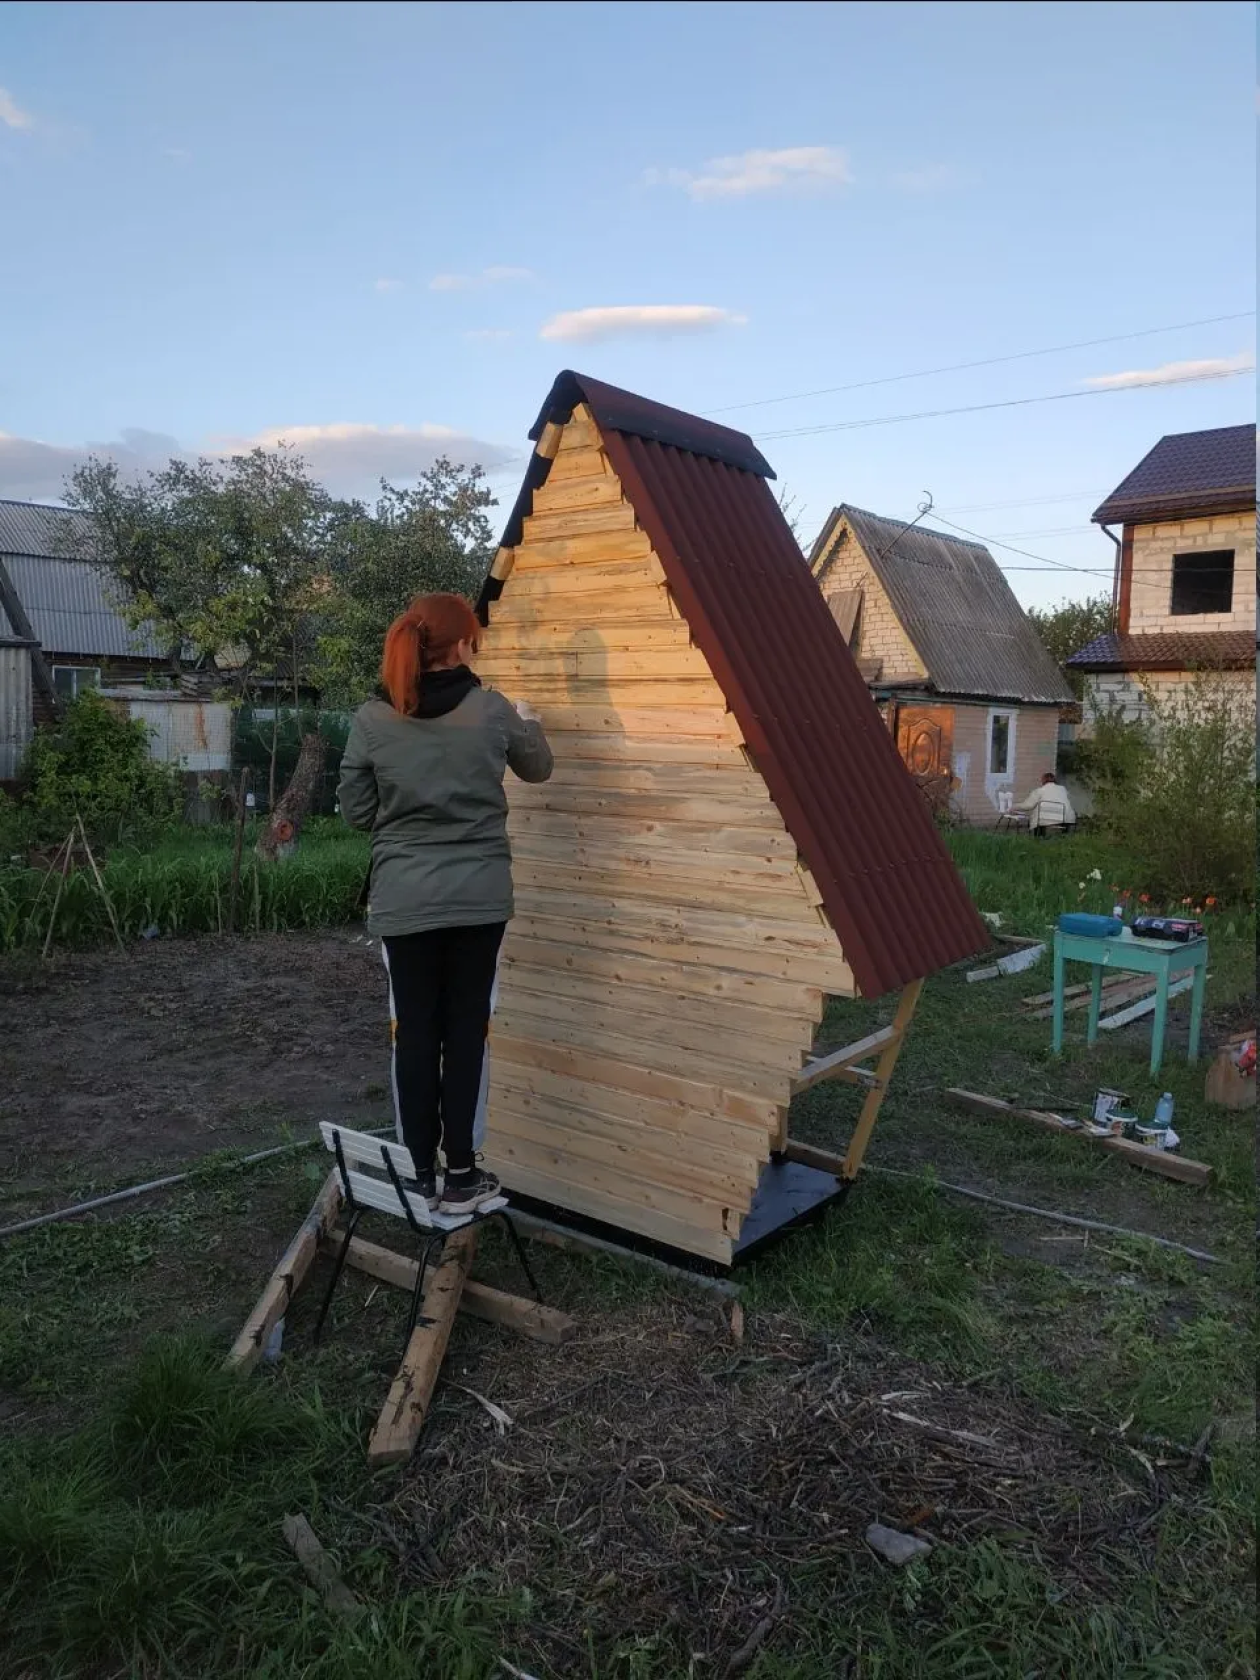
379,231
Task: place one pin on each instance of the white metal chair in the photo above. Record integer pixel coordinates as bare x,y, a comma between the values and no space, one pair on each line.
364,1191
1008,817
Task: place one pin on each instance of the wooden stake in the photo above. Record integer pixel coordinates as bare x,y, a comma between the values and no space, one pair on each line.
64,855
283,1284
402,1417
479,1300
319,1567
100,884
238,841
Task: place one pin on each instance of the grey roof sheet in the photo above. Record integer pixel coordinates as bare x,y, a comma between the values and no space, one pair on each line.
957,609
1188,472
71,604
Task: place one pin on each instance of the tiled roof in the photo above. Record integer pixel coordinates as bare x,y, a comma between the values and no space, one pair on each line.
69,601
955,605
1188,474
889,886
1231,650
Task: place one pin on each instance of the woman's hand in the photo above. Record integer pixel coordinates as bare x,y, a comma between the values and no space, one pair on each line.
526,712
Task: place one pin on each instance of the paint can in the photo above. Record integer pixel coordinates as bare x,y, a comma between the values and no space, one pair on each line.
1105,1101
1154,1137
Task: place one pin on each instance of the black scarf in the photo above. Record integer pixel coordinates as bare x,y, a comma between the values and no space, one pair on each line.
441,691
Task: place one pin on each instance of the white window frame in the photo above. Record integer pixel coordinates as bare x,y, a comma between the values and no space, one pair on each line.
1007,773
77,674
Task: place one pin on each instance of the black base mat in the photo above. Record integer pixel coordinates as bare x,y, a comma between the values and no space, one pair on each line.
787,1197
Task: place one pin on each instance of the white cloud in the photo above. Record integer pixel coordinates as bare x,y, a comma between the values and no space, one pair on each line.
11,113
348,458
499,275
799,168
933,177
387,285
1134,378
588,326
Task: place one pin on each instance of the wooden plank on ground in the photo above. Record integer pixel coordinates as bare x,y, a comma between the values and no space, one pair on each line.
283,1284
1160,1161
479,1300
320,1568
403,1414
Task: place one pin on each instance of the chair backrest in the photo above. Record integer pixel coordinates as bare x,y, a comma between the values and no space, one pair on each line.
1052,813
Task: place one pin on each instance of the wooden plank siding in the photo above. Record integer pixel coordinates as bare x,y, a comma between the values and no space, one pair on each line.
664,976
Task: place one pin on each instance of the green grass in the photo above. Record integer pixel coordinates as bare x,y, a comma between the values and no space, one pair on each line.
182,886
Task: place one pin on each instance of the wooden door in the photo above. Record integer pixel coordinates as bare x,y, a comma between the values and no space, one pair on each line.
925,740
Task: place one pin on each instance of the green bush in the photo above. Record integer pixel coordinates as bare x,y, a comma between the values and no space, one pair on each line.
95,764
1176,789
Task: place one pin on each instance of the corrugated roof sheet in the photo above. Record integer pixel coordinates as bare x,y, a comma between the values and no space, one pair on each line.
889,886
1188,473
70,602
1231,650
956,607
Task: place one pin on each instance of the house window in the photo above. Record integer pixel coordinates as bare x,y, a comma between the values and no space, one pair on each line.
1203,583
1000,732
70,680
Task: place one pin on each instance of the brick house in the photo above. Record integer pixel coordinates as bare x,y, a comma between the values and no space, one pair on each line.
950,657
1187,549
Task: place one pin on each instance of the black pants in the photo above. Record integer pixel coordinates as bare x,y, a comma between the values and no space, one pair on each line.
441,983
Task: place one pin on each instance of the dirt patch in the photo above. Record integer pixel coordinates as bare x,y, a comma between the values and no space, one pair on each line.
655,1476
110,1066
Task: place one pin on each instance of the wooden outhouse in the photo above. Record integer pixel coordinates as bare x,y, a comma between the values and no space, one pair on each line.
729,834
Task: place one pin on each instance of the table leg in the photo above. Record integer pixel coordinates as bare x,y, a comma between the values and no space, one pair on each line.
1196,1008
1059,966
1095,1002
1161,1020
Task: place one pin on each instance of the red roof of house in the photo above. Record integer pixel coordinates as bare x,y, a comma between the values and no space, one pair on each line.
1168,650
888,883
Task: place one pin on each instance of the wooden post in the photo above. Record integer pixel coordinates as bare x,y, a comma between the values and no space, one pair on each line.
238,841
274,1301
402,1417
883,1074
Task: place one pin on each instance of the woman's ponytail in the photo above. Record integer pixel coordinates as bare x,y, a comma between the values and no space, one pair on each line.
426,634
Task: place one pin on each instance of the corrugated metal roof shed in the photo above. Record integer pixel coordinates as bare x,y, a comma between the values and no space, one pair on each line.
1168,650
889,886
956,607
71,604
1188,474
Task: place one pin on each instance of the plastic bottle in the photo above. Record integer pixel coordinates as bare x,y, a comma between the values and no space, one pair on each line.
271,1348
1164,1110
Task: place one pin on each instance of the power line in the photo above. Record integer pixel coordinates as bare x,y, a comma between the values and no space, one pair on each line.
986,361
1009,402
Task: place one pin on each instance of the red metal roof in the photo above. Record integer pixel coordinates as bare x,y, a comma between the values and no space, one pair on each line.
888,883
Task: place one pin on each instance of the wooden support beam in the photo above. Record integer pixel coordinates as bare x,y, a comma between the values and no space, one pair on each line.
274,1301
883,1074
838,1062
479,1300
403,1414
1136,1154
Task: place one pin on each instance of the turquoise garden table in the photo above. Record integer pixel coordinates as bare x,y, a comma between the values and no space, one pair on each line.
1159,957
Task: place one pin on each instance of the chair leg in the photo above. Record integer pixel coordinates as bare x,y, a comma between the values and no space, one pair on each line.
519,1246
338,1268
431,1247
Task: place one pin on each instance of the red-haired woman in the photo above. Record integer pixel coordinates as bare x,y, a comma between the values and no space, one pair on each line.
423,771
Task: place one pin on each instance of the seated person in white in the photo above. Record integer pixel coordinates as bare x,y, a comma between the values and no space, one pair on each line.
1048,805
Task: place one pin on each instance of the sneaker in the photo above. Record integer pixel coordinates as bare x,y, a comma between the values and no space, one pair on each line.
467,1192
424,1185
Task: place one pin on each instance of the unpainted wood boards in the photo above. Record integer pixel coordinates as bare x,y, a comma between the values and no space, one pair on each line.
284,1281
651,835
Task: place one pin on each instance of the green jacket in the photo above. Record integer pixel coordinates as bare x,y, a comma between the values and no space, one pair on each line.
430,791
